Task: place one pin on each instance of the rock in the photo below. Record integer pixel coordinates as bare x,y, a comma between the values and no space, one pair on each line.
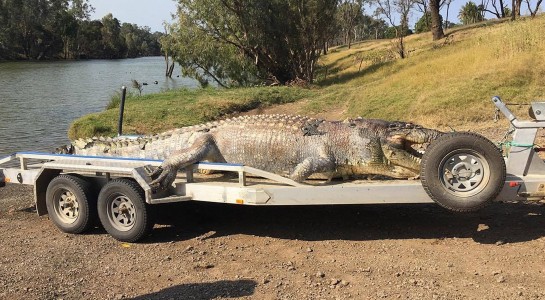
320,274
203,265
500,242
344,283
334,281
291,268
309,250
367,270
500,279
265,281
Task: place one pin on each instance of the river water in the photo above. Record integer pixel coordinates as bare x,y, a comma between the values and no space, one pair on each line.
39,100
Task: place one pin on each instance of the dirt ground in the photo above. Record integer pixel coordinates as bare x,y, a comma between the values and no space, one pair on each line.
204,251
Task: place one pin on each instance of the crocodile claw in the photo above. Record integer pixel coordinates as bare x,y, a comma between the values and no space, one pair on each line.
163,177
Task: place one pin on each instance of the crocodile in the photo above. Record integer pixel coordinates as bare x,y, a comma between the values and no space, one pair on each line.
293,146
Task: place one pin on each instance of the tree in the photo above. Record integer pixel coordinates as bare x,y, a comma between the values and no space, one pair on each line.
349,13
436,20
422,25
470,13
89,40
533,12
112,43
372,28
425,20
447,3
52,29
392,32
239,42
389,9
515,9
499,8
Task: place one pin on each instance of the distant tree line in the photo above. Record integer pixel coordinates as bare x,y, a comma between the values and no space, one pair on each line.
61,29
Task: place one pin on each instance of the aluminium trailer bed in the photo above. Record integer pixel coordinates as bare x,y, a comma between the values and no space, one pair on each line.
460,171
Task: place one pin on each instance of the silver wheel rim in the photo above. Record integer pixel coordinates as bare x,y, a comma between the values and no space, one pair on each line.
122,213
66,206
464,173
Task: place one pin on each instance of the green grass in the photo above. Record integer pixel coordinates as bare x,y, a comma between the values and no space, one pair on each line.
444,83
177,108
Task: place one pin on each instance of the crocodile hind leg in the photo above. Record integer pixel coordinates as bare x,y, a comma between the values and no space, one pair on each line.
204,147
312,165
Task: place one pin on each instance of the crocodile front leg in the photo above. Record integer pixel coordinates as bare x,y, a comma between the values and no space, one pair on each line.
203,148
313,165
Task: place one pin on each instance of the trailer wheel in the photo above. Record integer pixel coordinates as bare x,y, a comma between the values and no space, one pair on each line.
71,204
463,171
123,211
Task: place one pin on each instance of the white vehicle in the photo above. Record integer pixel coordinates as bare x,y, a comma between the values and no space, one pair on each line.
461,171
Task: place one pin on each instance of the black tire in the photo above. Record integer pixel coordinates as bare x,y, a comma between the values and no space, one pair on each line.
135,220
71,203
463,171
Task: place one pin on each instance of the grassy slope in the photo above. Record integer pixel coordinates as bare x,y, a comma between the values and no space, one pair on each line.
177,108
449,82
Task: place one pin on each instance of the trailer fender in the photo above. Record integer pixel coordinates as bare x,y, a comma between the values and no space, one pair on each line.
40,188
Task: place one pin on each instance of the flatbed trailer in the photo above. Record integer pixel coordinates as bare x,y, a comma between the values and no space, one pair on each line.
460,171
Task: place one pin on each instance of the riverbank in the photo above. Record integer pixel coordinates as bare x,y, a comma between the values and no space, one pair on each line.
448,83
182,107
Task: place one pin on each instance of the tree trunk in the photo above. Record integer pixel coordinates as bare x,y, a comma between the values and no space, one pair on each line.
446,19
436,26
170,70
401,47
325,48
515,12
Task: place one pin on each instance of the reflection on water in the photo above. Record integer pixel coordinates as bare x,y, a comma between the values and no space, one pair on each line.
38,100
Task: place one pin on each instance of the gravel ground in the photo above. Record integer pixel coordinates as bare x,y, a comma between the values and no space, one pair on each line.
205,251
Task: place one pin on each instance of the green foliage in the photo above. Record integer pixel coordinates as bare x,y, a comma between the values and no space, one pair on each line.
470,13
424,23
370,28
49,29
240,42
391,32
349,14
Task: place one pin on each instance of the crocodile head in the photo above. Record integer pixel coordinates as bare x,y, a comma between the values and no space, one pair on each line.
408,136
399,145
404,143
400,135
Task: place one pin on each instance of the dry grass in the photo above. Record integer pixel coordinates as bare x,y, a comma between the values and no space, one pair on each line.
449,82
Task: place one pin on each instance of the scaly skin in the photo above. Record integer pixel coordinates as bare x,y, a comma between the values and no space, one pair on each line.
293,146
